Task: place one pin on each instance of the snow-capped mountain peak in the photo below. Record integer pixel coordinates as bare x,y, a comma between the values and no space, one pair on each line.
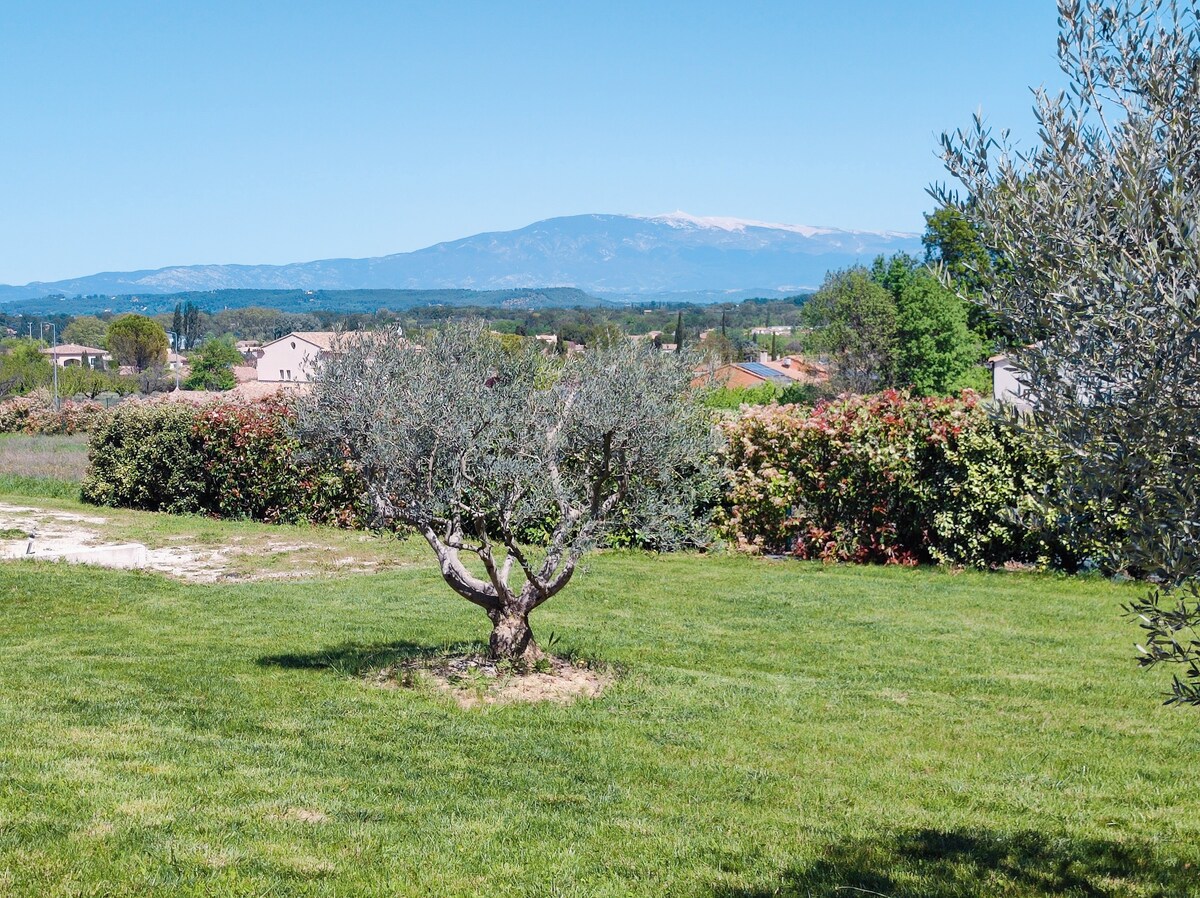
680,219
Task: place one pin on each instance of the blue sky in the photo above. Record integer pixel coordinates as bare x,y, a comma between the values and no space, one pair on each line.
139,135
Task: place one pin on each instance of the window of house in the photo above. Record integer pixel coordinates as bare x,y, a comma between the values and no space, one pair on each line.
281,374
289,377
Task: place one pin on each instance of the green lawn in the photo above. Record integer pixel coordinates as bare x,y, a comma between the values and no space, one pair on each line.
778,728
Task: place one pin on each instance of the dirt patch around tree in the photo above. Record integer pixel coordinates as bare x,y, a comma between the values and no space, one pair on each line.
473,680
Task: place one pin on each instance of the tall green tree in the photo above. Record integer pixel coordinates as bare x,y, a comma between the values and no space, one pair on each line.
935,348
192,325
1098,282
137,341
952,242
854,320
212,365
23,367
86,330
679,332
894,273
934,345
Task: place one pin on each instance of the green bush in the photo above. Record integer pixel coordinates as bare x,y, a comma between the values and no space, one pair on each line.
232,460
884,478
143,456
733,398
255,467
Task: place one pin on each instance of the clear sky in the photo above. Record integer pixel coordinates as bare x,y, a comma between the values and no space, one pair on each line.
139,135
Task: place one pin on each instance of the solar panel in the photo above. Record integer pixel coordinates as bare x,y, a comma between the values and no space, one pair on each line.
760,369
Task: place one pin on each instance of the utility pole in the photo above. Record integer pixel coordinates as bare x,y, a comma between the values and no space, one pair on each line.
53,355
175,346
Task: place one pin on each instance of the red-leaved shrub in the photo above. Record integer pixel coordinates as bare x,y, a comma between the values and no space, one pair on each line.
37,415
229,459
884,478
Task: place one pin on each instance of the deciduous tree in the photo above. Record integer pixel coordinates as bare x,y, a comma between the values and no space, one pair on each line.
212,365
854,320
86,330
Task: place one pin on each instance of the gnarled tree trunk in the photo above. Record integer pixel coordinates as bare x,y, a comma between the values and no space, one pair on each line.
512,638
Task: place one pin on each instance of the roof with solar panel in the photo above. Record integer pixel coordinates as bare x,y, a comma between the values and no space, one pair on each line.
760,370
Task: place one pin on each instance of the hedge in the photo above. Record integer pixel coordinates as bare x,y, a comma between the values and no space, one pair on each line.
37,415
884,478
229,459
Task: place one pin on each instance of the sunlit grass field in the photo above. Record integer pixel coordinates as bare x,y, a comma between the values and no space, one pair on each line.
777,728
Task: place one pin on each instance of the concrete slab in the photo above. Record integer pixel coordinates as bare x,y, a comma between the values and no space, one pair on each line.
125,555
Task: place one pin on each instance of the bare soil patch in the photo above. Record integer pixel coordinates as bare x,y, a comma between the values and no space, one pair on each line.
32,532
474,679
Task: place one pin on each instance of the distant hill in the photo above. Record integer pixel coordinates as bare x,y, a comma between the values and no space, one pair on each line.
307,300
617,255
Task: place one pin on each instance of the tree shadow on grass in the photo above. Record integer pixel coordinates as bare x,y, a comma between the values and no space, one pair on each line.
354,659
930,863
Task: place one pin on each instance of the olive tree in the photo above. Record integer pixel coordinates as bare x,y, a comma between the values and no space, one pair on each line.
1093,233
474,445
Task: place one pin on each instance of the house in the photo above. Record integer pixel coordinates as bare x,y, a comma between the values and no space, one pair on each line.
251,350
1006,382
798,368
71,355
292,358
739,374
781,372
780,330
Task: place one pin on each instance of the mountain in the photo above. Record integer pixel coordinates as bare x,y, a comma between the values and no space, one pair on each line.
615,255
283,300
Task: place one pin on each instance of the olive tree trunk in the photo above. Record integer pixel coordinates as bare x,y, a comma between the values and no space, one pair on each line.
512,637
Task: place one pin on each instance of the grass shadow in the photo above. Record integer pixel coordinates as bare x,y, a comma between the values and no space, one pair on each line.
354,659
932,863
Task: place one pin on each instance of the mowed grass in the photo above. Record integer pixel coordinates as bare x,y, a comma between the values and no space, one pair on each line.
778,728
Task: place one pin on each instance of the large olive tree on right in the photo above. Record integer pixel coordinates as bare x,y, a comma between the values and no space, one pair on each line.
1094,239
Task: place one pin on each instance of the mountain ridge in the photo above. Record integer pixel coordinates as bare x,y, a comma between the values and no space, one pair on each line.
602,254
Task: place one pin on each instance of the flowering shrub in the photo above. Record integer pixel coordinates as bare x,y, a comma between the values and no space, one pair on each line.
36,414
232,460
884,478
254,467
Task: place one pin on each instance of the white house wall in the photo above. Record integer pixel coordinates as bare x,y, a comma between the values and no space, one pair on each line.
1006,385
289,360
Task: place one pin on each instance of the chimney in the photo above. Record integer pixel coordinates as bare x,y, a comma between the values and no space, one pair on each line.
764,357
